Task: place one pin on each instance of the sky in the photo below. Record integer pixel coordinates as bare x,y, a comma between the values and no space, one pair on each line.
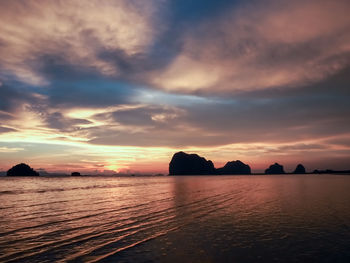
106,86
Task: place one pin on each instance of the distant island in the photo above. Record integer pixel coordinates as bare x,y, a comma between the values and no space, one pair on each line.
22,169
275,169
300,169
192,164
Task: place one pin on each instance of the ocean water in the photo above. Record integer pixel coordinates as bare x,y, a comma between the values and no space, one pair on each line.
282,218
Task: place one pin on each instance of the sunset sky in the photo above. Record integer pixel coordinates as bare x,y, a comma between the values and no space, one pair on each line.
105,86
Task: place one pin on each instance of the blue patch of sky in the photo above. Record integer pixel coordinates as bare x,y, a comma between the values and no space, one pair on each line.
197,10
182,15
94,92
157,97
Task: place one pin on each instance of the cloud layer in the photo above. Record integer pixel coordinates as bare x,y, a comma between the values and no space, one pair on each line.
268,44
75,31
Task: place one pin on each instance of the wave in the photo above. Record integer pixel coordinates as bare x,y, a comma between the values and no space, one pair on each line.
143,221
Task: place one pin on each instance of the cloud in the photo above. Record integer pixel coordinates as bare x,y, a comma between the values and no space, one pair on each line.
273,120
340,141
146,116
141,125
74,30
12,98
216,123
10,150
90,93
57,121
5,116
261,45
311,114
177,138
6,129
307,116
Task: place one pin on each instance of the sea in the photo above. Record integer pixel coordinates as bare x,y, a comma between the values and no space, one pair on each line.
255,218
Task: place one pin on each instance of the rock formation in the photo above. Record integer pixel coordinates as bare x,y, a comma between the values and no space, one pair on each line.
275,169
234,167
190,164
22,169
300,169
193,164
75,174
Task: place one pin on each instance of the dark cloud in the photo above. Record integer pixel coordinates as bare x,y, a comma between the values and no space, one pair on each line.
5,130
146,116
11,98
57,121
340,141
273,120
336,85
260,45
314,111
81,86
90,94
5,116
184,13
57,67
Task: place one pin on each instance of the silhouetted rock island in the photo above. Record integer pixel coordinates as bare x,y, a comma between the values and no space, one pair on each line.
22,169
300,169
275,169
234,167
190,164
193,164
75,174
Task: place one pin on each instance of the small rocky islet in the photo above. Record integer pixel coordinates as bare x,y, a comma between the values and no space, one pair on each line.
275,169
22,169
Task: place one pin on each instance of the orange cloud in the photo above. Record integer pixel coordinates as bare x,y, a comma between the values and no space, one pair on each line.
263,45
73,29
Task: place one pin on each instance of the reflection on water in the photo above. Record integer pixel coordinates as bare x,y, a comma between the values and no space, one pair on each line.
170,219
